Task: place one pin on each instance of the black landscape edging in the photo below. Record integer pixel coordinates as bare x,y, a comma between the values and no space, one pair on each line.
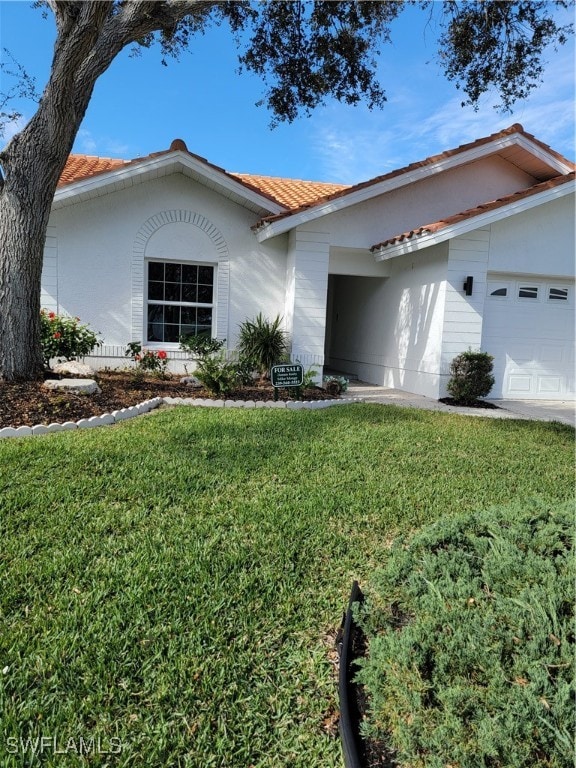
349,714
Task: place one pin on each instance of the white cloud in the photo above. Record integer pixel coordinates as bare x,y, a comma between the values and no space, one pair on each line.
355,144
87,143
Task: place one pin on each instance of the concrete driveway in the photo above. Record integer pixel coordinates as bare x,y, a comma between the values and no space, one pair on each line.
563,411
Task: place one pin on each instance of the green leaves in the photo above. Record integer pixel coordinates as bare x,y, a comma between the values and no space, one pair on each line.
470,377
65,337
484,654
262,342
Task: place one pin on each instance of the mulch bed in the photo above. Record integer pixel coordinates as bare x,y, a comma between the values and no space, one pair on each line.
477,404
30,403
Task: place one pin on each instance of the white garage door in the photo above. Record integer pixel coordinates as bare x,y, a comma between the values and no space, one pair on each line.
529,329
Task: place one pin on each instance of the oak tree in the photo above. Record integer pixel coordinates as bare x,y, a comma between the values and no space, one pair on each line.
305,52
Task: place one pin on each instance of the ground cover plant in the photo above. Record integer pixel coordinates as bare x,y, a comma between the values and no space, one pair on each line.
171,586
470,629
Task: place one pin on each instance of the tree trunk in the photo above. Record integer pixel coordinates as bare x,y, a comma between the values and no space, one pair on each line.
32,164
89,37
22,234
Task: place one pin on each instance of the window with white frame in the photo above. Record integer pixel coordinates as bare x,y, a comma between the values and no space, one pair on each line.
180,300
498,290
527,291
556,293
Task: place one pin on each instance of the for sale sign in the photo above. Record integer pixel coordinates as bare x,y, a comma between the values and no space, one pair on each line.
290,375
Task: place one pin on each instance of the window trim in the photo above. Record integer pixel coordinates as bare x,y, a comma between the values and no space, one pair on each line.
525,284
558,301
495,285
203,305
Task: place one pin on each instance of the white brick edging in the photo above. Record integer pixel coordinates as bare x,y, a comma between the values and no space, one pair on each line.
93,421
148,405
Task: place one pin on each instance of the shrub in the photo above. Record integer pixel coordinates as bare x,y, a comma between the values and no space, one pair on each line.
470,627
217,374
335,385
471,376
199,346
65,338
148,360
262,343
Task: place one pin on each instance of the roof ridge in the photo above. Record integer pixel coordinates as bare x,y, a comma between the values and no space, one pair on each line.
294,195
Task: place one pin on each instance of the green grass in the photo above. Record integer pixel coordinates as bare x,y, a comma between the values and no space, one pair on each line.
170,582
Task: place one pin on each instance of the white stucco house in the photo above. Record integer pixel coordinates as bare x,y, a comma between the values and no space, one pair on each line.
388,279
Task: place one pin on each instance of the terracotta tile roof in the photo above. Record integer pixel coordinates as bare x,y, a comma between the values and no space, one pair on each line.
516,128
476,211
290,193
83,166
293,194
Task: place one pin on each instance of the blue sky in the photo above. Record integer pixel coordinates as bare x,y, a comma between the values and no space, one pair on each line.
139,106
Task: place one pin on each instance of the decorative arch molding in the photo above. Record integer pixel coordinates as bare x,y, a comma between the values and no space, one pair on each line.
221,259
159,220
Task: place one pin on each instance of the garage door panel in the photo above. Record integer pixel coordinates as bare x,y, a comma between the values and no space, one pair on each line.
533,346
549,385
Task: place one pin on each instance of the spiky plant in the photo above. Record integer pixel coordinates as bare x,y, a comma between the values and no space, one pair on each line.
262,342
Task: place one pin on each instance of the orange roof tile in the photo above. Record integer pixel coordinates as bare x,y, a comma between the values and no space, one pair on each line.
476,211
290,193
83,166
516,128
293,194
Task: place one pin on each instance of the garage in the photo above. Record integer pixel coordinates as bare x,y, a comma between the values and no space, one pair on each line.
529,330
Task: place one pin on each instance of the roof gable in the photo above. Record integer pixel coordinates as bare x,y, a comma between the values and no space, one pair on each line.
85,177
472,218
513,144
285,194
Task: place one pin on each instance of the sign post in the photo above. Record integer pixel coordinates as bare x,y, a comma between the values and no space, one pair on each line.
286,375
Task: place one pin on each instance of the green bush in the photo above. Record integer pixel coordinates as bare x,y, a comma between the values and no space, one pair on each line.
262,343
200,346
153,361
65,338
219,376
470,628
471,376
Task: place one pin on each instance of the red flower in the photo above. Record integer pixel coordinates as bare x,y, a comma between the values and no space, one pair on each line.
51,315
57,335
162,355
137,358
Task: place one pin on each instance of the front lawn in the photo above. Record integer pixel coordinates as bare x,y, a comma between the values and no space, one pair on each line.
171,586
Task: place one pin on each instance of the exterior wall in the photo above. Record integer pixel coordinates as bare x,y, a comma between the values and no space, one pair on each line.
424,202
388,331
49,282
307,285
539,241
101,245
532,343
350,261
462,327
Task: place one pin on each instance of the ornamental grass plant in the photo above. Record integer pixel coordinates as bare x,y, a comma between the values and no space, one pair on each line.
263,342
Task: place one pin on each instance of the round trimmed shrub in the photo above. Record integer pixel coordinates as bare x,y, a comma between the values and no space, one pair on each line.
470,629
470,376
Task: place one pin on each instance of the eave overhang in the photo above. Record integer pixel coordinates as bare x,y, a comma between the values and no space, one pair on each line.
164,165
517,148
424,237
